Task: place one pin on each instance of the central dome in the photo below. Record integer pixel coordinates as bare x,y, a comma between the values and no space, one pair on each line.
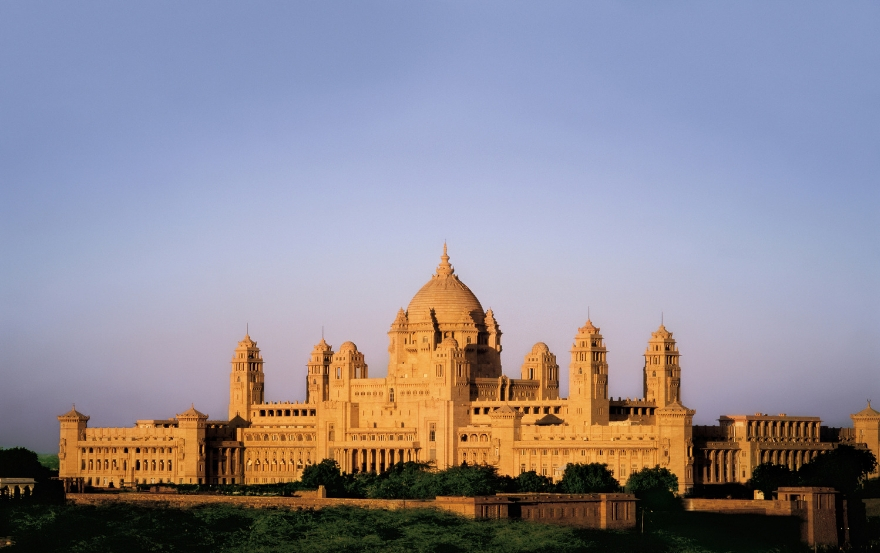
447,296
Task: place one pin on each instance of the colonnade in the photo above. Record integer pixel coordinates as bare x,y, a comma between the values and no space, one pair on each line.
720,466
374,460
791,458
226,463
808,430
15,488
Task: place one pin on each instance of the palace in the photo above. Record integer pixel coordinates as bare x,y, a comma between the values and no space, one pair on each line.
446,401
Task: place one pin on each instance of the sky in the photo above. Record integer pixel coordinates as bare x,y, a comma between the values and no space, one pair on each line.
172,173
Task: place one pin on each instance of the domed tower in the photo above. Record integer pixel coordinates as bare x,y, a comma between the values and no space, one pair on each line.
347,364
246,380
662,373
444,308
318,377
588,375
540,364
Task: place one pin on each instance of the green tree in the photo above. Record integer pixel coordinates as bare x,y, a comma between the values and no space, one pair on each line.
468,480
49,460
327,474
843,468
531,481
588,478
18,462
768,477
407,480
655,488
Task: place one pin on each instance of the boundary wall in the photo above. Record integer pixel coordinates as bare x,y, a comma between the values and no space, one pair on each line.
606,511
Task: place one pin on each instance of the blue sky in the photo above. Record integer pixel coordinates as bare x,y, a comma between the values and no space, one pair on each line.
170,172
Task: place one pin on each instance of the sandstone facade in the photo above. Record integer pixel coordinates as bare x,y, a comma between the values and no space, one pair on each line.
446,401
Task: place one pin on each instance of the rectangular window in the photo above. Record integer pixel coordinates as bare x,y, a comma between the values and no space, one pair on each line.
432,432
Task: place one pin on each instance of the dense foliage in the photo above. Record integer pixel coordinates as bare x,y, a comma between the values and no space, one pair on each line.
768,478
588,478
18,462
48,460
844,468
226,529
655,487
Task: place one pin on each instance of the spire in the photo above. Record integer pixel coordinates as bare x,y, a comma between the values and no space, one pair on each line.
445,269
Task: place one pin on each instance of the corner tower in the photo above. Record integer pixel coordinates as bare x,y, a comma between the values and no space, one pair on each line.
246,380
73,429
662,376
866,424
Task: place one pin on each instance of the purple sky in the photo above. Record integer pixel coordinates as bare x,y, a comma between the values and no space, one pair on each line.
170,172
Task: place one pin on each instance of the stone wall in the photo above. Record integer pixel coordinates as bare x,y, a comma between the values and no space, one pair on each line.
607,511
254,501
740,506
821,512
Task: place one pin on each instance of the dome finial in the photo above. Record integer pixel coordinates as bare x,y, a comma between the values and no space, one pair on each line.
445,269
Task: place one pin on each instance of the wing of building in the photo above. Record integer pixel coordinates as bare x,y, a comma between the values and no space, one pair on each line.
446,401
